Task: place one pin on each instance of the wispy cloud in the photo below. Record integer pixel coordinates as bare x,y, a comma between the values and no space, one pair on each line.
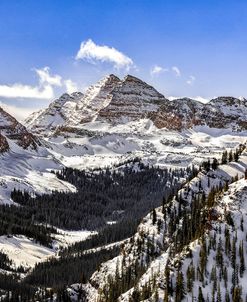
25,91
92,52
177,71
43,90
156,70
201,99
70,86
191,80
46,78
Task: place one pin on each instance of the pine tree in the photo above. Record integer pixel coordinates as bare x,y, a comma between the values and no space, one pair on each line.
200,295
242,261
236,295
227,297
215,164
154,216
230,156
224,158
218,294
179,290
236,155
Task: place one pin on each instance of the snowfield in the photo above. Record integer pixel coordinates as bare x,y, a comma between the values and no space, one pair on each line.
29,170
26,252
23,251
99,144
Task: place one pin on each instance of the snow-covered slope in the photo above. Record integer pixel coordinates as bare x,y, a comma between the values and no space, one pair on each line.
96,97
25,252
25,163
55,115
163,265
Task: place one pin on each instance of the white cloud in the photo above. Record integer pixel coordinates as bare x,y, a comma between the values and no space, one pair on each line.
201,99
198,98
46,78
70,86
92,52
26,91
156,70
44,90
191,80
176,70
19,113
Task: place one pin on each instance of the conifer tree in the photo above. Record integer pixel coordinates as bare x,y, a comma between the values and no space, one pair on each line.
215,164
200,295
224,158
154,216
230,156
242,261
218,294
179,290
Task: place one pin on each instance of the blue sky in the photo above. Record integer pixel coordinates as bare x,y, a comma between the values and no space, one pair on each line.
192,48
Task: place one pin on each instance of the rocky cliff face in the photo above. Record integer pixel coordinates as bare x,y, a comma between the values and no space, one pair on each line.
223,112
4,146
96,98
132,99
11,129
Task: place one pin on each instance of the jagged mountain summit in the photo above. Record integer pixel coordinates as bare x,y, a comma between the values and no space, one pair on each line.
118,101
110,100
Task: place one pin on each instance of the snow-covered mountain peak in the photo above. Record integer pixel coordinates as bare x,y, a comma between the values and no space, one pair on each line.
132,99
131,83
95,98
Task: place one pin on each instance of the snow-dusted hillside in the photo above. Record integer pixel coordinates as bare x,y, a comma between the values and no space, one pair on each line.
26,252
166,267
24,162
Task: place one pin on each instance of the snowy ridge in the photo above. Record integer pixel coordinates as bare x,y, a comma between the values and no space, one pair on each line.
95,98
56,114
118,101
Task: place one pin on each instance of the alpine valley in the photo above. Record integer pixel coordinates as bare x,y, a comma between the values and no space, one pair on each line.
120,194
